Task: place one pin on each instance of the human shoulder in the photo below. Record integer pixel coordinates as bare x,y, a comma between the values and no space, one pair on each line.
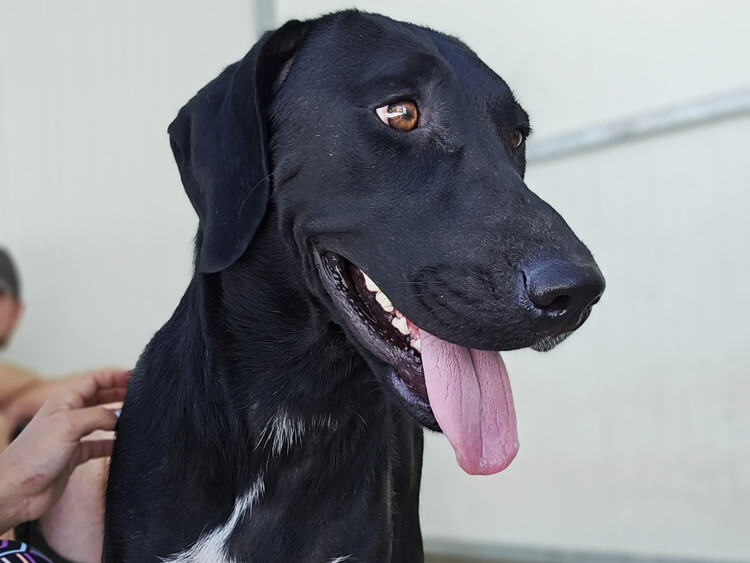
14,380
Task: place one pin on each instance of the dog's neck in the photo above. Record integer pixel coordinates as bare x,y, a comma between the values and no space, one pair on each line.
280,360
308,433
254,431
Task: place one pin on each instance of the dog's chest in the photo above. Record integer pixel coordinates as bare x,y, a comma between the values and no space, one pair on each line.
213,545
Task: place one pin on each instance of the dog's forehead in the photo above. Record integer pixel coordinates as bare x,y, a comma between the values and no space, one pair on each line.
368,52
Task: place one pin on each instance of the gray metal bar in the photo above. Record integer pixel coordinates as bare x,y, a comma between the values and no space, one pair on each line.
694,114
265,16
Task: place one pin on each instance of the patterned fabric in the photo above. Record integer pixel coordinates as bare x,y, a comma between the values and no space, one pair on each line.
19,552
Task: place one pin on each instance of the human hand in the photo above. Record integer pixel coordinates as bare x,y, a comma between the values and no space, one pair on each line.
35,468
24,405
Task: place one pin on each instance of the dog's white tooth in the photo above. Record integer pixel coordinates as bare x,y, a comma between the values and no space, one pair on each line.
384,302
369,284
416,344
400,324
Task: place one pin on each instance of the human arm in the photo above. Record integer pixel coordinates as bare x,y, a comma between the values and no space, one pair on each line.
35,468
24,404
14,381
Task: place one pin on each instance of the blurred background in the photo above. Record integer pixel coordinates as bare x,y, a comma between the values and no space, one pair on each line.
635,434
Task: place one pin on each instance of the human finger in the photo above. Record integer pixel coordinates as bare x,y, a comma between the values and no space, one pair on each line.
84,421
104,396
91,449
115,381
83,391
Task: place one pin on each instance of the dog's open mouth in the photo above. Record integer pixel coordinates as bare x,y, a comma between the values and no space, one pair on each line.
461,391
383,329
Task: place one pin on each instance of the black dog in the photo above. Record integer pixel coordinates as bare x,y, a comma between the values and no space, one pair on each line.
278,415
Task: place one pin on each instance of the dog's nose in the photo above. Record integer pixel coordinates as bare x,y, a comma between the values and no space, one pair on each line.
563,292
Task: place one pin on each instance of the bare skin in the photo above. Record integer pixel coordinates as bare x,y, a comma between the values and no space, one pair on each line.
14,382
40,464
70,507
11,310
74,526
23,392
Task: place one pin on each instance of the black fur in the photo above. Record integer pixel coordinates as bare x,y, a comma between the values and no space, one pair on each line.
285,160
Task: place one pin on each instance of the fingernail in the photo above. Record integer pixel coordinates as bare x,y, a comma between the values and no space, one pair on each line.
118,412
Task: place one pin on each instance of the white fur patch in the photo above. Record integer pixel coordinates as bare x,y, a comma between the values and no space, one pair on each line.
211,547
284,431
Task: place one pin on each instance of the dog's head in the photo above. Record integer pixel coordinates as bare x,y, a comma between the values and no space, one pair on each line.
395,160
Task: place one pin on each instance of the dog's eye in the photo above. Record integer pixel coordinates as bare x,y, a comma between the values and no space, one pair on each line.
517,138
403,116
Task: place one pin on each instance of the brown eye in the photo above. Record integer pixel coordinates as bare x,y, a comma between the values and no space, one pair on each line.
401,115
517,138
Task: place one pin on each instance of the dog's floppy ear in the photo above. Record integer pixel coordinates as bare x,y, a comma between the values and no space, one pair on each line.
219,142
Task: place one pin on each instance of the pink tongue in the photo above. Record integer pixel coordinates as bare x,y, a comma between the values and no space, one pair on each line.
470,395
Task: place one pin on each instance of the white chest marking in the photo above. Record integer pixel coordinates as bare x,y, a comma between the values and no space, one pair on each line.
283,431
211,547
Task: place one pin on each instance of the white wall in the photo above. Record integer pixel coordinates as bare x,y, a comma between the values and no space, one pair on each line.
91,202
635,434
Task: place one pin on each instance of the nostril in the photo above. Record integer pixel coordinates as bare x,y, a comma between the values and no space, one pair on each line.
559,304
547,298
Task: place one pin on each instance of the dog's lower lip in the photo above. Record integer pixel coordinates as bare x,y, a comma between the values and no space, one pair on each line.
386,334
419,406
